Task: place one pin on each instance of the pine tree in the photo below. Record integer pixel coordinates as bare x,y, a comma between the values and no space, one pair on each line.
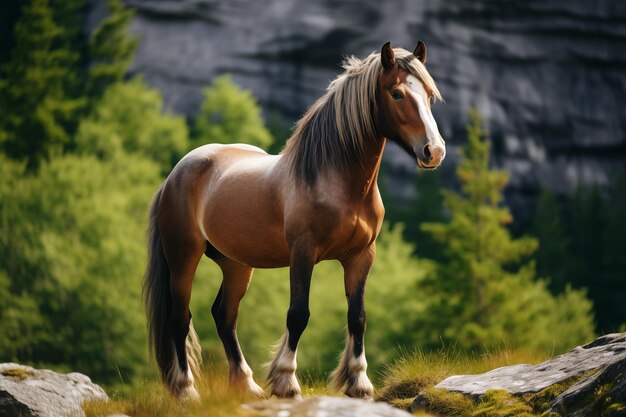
611,309
550,228
597,262
70,15
111,48
485,291
35,108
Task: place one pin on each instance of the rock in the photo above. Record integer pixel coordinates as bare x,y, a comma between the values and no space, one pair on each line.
325,407
588,396
601,365
30,392
520,379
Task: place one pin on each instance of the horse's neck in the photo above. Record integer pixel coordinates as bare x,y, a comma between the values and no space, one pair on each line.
363,177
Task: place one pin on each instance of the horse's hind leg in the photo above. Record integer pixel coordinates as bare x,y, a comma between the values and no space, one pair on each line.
183,255
351,374
225,310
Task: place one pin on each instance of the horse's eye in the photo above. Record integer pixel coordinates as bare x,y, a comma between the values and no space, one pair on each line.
396,95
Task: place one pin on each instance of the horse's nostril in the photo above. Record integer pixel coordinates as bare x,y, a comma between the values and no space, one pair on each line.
426,151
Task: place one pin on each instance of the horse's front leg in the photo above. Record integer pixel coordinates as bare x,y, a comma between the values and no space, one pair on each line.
282,370
351,374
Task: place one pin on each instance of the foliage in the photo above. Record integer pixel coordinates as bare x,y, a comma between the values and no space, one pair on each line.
484,292
549,227
582,245
111,48
608,292
130,119
35,108
75,265
230,115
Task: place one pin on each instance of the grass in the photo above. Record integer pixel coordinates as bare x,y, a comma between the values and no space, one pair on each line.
403,380
416,373
148,398
412,375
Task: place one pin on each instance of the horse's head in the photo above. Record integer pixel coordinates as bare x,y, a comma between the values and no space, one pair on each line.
405,92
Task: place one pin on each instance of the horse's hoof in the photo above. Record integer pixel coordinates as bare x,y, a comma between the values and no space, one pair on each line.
291,394
364,391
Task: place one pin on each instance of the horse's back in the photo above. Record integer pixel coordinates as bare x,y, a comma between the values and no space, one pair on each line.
234,194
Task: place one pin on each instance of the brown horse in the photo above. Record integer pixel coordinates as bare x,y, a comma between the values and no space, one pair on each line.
317,200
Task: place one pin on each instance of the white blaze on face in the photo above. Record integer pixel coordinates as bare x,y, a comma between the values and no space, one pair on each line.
416,89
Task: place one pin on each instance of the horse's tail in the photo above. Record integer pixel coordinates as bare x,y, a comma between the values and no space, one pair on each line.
158,303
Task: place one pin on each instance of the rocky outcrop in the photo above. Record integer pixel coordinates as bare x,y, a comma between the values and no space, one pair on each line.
30,392
548,76
595,373
324,407
520,379
591,395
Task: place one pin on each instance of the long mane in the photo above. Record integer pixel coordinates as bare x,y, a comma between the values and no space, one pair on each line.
332,132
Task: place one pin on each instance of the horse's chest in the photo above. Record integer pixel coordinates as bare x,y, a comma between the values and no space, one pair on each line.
348,231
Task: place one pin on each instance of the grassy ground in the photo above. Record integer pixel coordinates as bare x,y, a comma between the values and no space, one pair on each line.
402,381
150,399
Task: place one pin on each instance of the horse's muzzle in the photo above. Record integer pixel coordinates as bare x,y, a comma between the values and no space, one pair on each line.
431,156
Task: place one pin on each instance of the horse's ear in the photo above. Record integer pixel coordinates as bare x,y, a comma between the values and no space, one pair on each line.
387,57
420,52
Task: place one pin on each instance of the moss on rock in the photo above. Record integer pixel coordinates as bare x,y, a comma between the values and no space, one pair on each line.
17,373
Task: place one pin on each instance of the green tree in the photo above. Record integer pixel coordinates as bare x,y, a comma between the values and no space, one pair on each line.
72,250
130,119
230,114
596,251
9,15
35,109
111,48
549,225
485,292
70,15
610,306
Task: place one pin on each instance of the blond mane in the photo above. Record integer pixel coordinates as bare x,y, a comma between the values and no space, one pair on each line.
332,132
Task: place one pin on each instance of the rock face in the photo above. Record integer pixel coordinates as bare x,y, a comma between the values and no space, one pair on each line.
611,382
325,407
606,355
29,392
547,75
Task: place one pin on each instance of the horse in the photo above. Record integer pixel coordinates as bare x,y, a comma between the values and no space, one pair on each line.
316,200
